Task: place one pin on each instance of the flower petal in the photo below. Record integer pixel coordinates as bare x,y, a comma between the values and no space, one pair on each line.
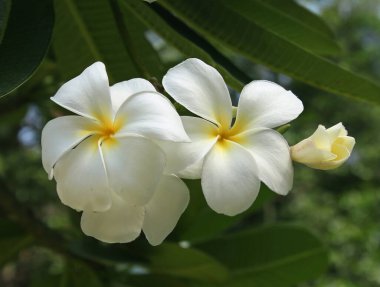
60,135
152,115
123,90
180,156
81,178
164,210
134,167
336,131
271,153
265,104
348,142
230,178
87,94
120,224
201,89
307,152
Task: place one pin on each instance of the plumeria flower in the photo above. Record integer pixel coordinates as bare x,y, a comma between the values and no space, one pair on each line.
231,160
123,222
106,147
325,148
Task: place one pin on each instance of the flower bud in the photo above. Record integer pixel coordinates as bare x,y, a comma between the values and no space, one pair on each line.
325,148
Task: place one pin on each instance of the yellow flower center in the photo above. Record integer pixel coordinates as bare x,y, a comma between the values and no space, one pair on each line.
107,130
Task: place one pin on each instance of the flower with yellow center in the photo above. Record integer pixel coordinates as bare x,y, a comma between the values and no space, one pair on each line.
231,160
325,148
104,159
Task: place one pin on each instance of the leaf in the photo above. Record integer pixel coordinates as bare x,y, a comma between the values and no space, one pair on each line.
156,281
86,32
12,240
78,275
145,53
171,259
296,11
25,42
284,25
201,223
264,47
5,8
179,41
278,255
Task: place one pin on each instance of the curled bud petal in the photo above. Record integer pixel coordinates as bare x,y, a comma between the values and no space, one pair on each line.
325,148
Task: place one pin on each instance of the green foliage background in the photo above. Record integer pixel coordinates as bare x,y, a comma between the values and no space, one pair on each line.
325,233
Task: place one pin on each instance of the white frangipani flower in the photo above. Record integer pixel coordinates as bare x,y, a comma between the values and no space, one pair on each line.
106,147
123,222
231,161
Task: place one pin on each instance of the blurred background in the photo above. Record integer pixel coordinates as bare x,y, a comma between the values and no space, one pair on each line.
340,207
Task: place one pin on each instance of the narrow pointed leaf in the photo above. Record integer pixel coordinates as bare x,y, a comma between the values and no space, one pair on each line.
264,47
187,47
284,25
278,255
171,259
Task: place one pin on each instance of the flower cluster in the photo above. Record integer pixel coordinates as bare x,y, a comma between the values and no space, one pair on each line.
121,158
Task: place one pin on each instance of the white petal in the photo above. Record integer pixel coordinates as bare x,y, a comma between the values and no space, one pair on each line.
201,89
180,156
87,94
81,178
120,224
60,135
321,138
123,90
230,178
164,210
266,104
308,152
152,115
134,167
271,153
336,131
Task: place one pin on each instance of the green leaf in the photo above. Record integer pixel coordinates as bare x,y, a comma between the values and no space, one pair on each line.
264,47
179,41
156,281
201,223
171,259
5,8
25,42
12,240
273,19
86,32
296,11
278,255
79,275
145,53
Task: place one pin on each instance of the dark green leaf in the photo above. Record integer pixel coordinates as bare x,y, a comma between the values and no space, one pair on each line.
145,54
201,223
25,42
188,48
86,32
265,47
156,281
279,255
296,11
273,19
171,259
